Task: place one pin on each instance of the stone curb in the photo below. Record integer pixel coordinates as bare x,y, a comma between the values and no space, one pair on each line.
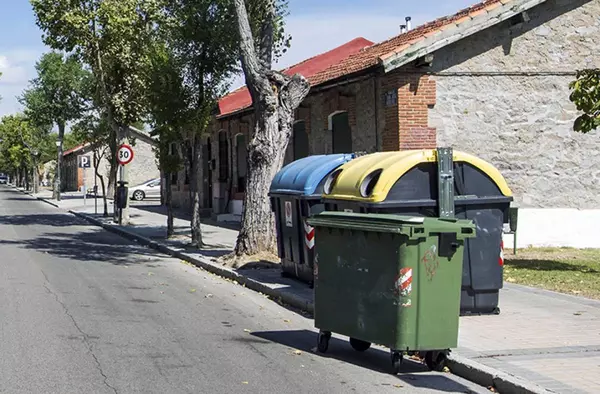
490,377
461,366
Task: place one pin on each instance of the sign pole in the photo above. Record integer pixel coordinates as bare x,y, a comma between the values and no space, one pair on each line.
121,176
95,192
84,188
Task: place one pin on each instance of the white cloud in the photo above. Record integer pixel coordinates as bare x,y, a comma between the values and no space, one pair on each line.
17,67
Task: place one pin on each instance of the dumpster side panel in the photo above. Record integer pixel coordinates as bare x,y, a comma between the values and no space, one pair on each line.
430,312
384,289
290,233
354,282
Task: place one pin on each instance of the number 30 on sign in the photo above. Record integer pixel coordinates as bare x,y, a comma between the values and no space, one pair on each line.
124,154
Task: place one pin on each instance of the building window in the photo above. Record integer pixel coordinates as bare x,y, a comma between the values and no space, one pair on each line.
242,156
341,133
300,140
223,156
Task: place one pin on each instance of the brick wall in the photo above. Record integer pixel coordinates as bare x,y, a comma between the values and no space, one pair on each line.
407,114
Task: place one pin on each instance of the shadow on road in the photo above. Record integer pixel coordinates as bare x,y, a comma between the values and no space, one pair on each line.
413,373
46,219
91,246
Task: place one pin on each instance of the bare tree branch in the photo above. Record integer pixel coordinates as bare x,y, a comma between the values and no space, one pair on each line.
266,39
250,62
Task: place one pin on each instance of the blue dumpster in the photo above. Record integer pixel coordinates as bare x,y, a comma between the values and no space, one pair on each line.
295,195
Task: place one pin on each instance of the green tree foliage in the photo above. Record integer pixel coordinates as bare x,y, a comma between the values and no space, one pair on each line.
57,95
194,54
23,145
112,38
586,96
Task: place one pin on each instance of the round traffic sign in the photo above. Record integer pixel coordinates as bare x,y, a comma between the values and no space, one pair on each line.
124,154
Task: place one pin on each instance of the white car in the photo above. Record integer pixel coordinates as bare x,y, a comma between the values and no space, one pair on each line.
3,179
148,189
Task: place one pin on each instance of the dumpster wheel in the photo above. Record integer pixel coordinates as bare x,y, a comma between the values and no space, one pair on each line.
323,341
397,359
358,345
436,360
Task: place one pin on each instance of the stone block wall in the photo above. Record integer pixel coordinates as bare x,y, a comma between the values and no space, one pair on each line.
503,94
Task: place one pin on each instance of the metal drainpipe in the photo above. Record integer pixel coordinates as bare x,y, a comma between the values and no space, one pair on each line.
376,94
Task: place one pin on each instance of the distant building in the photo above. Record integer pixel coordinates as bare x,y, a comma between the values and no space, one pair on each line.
142,168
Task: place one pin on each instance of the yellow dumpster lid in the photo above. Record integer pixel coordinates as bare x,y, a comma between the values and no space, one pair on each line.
391,166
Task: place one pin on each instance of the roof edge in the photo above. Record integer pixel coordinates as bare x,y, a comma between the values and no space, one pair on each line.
455,32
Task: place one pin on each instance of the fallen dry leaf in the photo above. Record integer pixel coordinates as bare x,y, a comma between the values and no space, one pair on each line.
398,386
192,290
208,296
492,389
244,382
286,320
297,352
446,370
246,330
150,273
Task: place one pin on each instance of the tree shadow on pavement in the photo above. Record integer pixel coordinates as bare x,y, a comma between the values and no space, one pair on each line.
182,215
96,246
412,373
48,219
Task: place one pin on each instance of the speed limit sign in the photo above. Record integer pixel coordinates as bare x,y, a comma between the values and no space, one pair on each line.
124,154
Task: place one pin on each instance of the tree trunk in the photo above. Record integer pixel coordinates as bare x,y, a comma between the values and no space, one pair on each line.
196,186
97,159
59,156
169,205
114,167
26,176
36,177
275,97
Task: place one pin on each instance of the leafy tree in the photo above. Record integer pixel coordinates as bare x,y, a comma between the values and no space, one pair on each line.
20,149
112,37
56,97
275,97
195,53
586,96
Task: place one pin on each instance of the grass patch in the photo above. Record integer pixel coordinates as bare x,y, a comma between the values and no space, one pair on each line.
566,270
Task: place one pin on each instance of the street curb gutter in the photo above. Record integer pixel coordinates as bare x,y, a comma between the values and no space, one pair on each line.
466,368
490,377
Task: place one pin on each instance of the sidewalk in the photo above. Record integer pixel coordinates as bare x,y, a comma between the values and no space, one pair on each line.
541,340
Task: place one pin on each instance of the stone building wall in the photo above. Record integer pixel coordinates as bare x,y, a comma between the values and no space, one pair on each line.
503,94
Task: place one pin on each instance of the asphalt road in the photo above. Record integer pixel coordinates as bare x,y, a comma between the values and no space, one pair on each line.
84,311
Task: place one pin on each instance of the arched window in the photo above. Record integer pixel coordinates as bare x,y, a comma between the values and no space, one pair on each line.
300,140
242,155
223,156
341,133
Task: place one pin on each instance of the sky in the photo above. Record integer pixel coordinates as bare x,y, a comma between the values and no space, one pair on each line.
316,26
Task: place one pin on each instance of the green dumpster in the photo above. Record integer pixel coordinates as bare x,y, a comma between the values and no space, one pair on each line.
390,280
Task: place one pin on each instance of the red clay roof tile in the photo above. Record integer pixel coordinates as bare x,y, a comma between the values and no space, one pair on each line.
370,56
240,98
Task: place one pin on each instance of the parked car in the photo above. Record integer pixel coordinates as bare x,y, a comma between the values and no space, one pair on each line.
144,190
3,179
